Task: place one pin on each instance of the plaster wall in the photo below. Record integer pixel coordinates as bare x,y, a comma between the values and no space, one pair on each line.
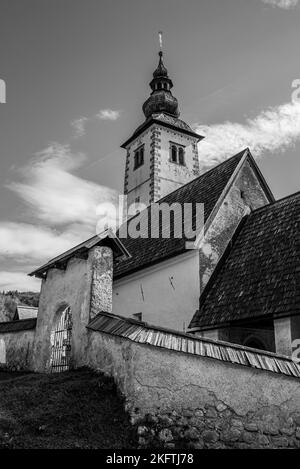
70,287
179,399
171,175
245,194
137,181
166,294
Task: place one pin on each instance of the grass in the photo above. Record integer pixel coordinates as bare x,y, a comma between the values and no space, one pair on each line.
76,409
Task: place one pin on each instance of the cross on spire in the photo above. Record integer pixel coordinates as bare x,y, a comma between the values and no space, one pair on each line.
160,40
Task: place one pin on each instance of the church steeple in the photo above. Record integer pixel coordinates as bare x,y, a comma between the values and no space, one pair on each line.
162,153
161,98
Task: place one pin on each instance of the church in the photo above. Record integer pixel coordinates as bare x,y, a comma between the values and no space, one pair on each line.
238,284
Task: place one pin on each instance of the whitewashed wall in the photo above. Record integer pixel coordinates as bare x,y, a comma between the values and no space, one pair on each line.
167,294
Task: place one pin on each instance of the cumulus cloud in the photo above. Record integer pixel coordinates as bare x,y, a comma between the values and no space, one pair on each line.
32,242
272,130
109,114
18,281
56,195
79,126
285,4
65,209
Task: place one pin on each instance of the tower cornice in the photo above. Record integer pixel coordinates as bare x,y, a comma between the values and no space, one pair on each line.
170,123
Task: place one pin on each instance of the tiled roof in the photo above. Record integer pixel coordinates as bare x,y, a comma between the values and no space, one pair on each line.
16,326
143,333
107,238
173,121
205,189
261,274
26,312
167,121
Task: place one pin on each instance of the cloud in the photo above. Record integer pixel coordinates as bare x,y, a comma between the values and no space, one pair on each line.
54,194
272,130
285,4
32,242
18,281
64,210
109,114
79,125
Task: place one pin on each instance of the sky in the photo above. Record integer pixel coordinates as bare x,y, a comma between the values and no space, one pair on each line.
77,73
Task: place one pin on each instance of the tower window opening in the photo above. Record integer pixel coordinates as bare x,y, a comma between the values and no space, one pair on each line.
181,156
177,154
139,157
174,154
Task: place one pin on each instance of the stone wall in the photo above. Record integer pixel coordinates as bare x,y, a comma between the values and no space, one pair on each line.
178,400
16,350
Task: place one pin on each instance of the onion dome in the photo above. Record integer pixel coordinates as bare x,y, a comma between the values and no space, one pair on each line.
161,98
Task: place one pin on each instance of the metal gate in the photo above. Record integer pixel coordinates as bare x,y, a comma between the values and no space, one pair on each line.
61,343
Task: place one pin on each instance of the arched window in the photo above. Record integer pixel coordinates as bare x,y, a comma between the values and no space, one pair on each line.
177,153
159,86
254,342
141,156
181,156
138,157
165,86
174,154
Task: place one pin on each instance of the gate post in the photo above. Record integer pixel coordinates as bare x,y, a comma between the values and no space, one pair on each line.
100,266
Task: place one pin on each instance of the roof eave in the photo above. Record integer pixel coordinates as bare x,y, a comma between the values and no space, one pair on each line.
151,121
108,237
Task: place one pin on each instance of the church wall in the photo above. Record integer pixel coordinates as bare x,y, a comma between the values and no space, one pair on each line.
167,294
63,287
179,400
233,208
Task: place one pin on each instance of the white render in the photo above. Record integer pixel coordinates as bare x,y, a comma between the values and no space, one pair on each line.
158,169
166,294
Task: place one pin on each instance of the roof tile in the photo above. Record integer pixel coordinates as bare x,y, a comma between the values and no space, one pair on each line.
261,273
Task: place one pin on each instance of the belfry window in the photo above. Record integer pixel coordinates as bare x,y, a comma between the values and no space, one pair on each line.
177,154
181,156
174,154
139,157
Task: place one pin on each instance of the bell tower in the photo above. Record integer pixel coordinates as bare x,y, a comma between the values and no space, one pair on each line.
162,153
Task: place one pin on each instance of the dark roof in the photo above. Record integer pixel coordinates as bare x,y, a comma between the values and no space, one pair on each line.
25,312
16,326
167,121
261,274
143,333
107,238
205,189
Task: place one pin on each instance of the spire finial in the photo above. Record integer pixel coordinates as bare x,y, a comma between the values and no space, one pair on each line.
160,42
